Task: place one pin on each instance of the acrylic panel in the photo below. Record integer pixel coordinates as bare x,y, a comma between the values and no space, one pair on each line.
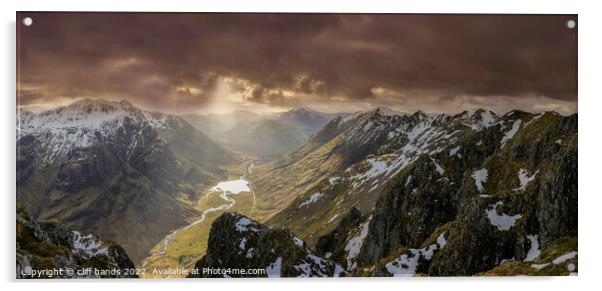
174,145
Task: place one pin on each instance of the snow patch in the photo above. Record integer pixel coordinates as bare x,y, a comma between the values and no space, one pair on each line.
564,258
407,263
244,224
274,269
242,244
539,266
438,167
504,221
534,251
510,133
524,179
479,177
454,151
355,244
88,245
312,199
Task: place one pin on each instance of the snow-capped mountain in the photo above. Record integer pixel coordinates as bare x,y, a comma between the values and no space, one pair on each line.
63,130
112,167
403,194
393,140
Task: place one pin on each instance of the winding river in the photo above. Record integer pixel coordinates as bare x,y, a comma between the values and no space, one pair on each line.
225,188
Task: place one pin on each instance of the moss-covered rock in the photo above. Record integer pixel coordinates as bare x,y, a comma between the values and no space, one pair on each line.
43,249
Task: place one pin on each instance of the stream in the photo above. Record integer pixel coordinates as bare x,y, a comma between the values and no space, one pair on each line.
226,188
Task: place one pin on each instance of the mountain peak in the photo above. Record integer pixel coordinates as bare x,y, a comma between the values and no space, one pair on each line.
387,111
419,114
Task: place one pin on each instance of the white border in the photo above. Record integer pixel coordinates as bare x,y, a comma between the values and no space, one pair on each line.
589,149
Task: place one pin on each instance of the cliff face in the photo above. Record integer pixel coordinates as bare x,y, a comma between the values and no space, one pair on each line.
51,250
493,206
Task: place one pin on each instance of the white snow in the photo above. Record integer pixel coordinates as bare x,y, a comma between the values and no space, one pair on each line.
274,269
62,130
441,241
524,179
333,180
487,119
355,244
88,245
438,167
504,221
454,151
312,199
479,177
338,270
244,224
510,133
407,263
534,251
242,244
298,242
564,258
539,266
377,168
304,270
404,265
570,267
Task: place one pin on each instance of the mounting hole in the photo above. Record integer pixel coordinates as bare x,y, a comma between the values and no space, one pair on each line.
27,21
571,24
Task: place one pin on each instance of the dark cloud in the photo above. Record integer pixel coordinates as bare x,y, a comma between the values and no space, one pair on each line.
174,60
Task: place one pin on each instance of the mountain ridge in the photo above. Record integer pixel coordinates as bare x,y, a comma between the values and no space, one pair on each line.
115,169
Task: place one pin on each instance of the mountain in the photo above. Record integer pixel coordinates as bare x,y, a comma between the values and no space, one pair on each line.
307,120
502,201
266,138
239,243
472,193
115,170
53,246
215,125
349,151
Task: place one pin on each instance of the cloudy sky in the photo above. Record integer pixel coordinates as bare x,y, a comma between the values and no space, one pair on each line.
183,63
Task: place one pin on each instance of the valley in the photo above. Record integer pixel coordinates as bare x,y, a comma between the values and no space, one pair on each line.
181,248
374,193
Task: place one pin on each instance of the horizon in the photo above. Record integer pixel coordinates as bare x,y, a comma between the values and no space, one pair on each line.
268,113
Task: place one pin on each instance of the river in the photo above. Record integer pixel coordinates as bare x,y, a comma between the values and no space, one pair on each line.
225,188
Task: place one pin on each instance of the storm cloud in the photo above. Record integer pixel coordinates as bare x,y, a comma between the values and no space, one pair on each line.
177,61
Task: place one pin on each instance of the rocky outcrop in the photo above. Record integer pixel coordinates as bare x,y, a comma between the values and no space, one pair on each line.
51,250
532,188
238,245
500,195
332,245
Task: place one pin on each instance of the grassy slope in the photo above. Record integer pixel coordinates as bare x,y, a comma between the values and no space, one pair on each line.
190,245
